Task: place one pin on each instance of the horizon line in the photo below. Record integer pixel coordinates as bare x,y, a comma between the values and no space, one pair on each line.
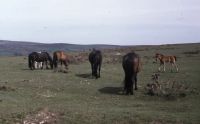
100,44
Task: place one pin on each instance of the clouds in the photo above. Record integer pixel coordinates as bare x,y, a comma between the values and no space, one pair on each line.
100,21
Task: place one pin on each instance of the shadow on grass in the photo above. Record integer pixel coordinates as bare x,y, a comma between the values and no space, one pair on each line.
88,75
25,69
112,90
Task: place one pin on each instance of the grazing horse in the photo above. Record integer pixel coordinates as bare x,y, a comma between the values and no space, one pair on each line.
60,56
39,57
132,65
166,59
95,58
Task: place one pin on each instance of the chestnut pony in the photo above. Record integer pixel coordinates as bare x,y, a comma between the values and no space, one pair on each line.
60,57
166,59
132,65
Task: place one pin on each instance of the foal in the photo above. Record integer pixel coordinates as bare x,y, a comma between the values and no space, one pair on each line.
166,59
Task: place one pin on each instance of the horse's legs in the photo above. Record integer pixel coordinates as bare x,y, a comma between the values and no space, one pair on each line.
172,65
164,67
99,70
32,64
38,65
131,87
95,69
61,63
126,84
135,82
92,69
66,64
35,64
176,67
128,87
55,65
46,65
160,67
41,64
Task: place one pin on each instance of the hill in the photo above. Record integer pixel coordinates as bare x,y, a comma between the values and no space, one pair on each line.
17,48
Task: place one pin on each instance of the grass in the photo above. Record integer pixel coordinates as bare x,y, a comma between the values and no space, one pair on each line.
80,99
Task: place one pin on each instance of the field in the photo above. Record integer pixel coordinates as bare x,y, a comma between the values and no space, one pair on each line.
75,97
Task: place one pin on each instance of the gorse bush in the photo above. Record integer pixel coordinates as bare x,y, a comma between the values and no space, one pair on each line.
170,89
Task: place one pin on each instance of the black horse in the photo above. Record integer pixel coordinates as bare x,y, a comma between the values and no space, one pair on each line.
131,65
43,57
95,58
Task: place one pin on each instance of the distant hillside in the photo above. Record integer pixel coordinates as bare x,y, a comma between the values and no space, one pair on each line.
16,48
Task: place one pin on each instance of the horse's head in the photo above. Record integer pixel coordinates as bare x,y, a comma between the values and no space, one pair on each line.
50,60
51,64
66,62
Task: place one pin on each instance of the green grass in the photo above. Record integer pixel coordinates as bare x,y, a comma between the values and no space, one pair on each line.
81,99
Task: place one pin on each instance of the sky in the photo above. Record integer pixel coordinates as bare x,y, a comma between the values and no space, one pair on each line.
120,22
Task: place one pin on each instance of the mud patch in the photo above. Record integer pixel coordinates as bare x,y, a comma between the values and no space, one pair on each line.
6,88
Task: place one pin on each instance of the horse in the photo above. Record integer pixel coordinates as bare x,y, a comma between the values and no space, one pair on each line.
60,56
39,57
131,64
166,59
95,59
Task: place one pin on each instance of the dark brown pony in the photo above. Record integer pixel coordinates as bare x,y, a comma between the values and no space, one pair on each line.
95,58
132,65
60,57
43,57
166,59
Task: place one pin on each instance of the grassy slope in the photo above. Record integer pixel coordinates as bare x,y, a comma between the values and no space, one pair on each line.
85,100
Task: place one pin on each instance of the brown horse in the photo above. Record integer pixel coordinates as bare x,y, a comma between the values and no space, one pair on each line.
132,65
166,59
60,56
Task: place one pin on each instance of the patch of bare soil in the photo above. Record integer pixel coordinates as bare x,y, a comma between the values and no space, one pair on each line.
6,88
44,116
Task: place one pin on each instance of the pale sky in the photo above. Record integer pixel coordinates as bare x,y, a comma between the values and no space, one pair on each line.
122,22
